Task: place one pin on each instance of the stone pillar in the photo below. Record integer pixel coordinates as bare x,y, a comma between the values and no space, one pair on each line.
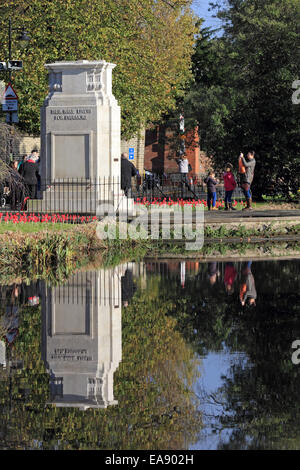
80,122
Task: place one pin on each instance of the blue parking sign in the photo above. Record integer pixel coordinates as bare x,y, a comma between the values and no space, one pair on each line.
131,153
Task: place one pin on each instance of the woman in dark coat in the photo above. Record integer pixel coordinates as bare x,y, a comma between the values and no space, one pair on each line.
30,173
128,170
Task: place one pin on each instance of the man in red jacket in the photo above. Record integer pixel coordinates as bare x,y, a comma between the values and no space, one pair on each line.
230,185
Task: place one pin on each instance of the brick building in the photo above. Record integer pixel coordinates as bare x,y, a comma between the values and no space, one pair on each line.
161,150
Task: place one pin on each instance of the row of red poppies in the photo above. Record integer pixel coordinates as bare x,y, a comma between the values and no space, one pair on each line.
180,202
23,217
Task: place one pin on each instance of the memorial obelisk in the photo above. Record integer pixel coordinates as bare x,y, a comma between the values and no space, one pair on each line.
80,136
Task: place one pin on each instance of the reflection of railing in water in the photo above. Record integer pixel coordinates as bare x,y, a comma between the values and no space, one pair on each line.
87,288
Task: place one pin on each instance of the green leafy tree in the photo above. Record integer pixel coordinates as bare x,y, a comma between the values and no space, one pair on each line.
243,100
150,41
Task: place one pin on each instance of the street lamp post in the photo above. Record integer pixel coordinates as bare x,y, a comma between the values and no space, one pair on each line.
9,46
13,65
23,36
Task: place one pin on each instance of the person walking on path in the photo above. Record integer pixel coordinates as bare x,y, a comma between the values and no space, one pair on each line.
30,172
14,165
128,170
247,176
229,185
211,183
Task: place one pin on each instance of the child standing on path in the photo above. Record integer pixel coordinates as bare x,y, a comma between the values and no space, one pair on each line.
229,185
211,190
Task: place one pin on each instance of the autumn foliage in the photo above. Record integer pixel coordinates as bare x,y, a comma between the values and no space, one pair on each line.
151,41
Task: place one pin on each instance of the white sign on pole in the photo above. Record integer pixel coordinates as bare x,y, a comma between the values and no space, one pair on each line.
10,105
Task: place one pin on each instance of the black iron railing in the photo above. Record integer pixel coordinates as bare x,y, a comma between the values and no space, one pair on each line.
176,186
83,196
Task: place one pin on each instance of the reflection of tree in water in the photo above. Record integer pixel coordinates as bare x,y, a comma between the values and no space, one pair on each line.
156,407
262,401
162,378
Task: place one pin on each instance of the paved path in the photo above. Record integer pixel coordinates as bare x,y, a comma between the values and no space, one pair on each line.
242,217
250,216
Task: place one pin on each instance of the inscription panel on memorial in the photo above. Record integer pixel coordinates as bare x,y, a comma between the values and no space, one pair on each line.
70,113
70,355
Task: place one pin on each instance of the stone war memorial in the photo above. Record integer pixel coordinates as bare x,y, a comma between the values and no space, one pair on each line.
80,139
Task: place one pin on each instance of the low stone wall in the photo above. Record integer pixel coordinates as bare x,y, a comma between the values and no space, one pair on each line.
24,144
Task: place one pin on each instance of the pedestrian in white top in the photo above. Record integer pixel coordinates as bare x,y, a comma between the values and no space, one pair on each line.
184,168
183,164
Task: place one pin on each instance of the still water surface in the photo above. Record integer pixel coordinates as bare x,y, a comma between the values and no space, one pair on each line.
153,355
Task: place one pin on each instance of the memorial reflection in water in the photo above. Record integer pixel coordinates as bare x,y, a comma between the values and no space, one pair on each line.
81,343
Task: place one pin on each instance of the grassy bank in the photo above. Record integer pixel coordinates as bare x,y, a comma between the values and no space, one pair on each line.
57,250
28,248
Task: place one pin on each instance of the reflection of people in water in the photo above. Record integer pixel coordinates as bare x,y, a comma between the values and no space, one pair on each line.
32,294
11,297
229,277
127,287
14,297
247,289
213,272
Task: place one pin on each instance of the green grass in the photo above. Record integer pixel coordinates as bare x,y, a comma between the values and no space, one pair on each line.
33,227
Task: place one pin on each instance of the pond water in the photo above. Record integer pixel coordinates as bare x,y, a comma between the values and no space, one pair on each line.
168,354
